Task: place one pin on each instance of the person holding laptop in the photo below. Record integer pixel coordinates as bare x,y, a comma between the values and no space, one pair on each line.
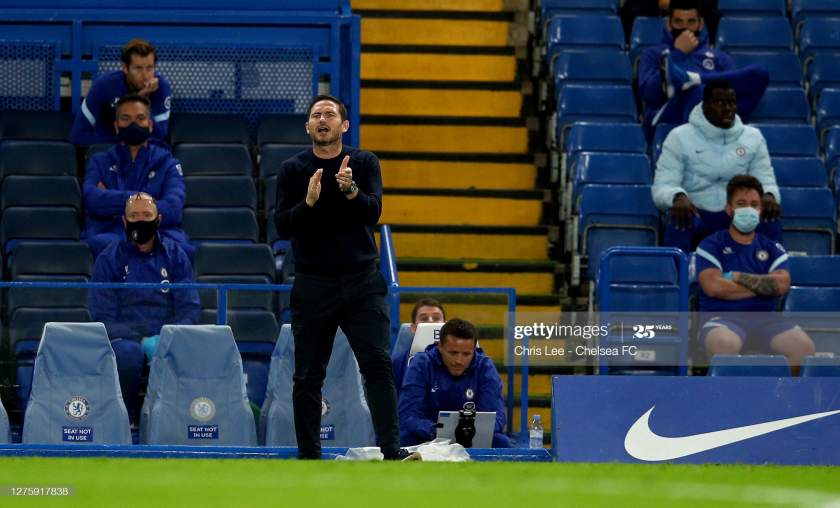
443,378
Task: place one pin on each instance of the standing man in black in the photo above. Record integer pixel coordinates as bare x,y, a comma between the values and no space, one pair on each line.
329,199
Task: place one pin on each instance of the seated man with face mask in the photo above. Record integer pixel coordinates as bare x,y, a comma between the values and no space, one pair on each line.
741,272
135,164
134,317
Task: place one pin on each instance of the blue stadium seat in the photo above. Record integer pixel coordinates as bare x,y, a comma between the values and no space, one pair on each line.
271,156
809,220
225,225
583,33
782,105
790,140
754,34
551,8
208,128
282,130
403,342
240,264
605,137
813,301
823,72
820,366
659,136
593,68
196,392
615,215
828,110
38,223
221,191
597,103
799,172
607,168
832,150
801,9
4,425
41,191
49,262
818,34
36,125
76,396
784,67
752,7
345,418
38,158
749,365
200,159
819,271
646,32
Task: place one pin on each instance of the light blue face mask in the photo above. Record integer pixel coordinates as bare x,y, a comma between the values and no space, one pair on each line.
745,219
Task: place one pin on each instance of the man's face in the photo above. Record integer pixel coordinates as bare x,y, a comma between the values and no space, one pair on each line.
140,71
457,353
325,125
140,209
720,109
743,198
685,19
427,314
133,112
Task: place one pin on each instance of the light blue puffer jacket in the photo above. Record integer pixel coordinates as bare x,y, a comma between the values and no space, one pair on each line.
699,159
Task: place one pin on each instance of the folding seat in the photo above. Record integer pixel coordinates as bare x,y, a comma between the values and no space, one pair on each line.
95,149
823,72
605,137
76,394
38,158
659,136
832,151
646,32
799,172
752,7
36,125
790,140
596,67
802,9
282,130
38,223
818,35
208,128
4,425
238,264
220,191
784,67
813,301
605,168
271,156
808,220
551,8
749,365
198,159
782,105
345,417
828,110
403,341
596,103
196,392
49,262
820,366
754,34
225,225
582,33
41,191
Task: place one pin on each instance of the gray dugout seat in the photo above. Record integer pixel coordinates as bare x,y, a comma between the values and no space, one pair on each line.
196,392
345,417
76,396
4,425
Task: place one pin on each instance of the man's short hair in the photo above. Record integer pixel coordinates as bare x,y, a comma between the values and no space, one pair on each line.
715,84
426,302
342,109
140,196
683,5
742,182
459,328
139,47
133,97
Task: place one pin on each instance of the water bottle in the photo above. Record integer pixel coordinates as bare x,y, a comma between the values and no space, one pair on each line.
535,433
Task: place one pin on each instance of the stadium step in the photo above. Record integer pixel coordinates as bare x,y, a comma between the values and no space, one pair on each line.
431,5
424,31
444,138
385,100
462,207
459,242
526,277
484,309
448,174
437,67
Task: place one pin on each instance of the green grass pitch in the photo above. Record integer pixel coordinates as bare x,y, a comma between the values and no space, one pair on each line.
158,483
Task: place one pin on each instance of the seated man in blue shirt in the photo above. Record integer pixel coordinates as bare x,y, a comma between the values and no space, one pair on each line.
741,271
132,316
135,164
95,120
444,377
426,310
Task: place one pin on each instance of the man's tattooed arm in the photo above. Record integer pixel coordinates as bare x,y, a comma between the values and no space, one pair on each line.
761,285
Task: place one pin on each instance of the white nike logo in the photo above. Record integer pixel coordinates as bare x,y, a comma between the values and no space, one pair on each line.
642,443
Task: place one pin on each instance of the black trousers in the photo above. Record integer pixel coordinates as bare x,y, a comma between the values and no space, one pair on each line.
355,302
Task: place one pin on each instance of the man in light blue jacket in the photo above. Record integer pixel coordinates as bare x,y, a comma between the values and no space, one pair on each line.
699,158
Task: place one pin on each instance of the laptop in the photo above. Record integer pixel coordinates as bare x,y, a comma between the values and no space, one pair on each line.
485,422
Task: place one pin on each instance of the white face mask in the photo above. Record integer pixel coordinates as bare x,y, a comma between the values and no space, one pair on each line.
745,219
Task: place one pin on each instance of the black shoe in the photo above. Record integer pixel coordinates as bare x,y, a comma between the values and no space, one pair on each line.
404,455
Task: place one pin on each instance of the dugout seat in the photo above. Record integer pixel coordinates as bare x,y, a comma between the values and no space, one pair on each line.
76,396
205,159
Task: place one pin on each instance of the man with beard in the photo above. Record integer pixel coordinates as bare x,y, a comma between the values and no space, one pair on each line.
329,199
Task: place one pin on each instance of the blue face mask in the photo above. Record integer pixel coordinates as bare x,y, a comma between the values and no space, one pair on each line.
745,219
134,135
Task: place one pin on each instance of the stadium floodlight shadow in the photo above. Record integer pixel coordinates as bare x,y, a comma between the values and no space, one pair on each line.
76,396
196,392
345,417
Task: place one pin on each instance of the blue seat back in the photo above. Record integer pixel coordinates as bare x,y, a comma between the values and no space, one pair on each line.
595,103
605,137
823,72
754,34
36,125
820,366
39,223
802,9
784,67
818,34
208,128
646,32
237,224
659,136
782,105
752,7
282,130
345,417
790,140
76,395
641,284
597,67
403,342
584,33
196,393
20,190
209,159
609,168
828,109
799,172
551,8
821,271
808,220
38,158
221,191
749,365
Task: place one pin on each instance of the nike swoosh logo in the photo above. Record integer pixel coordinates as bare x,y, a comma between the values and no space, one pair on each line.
643,444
